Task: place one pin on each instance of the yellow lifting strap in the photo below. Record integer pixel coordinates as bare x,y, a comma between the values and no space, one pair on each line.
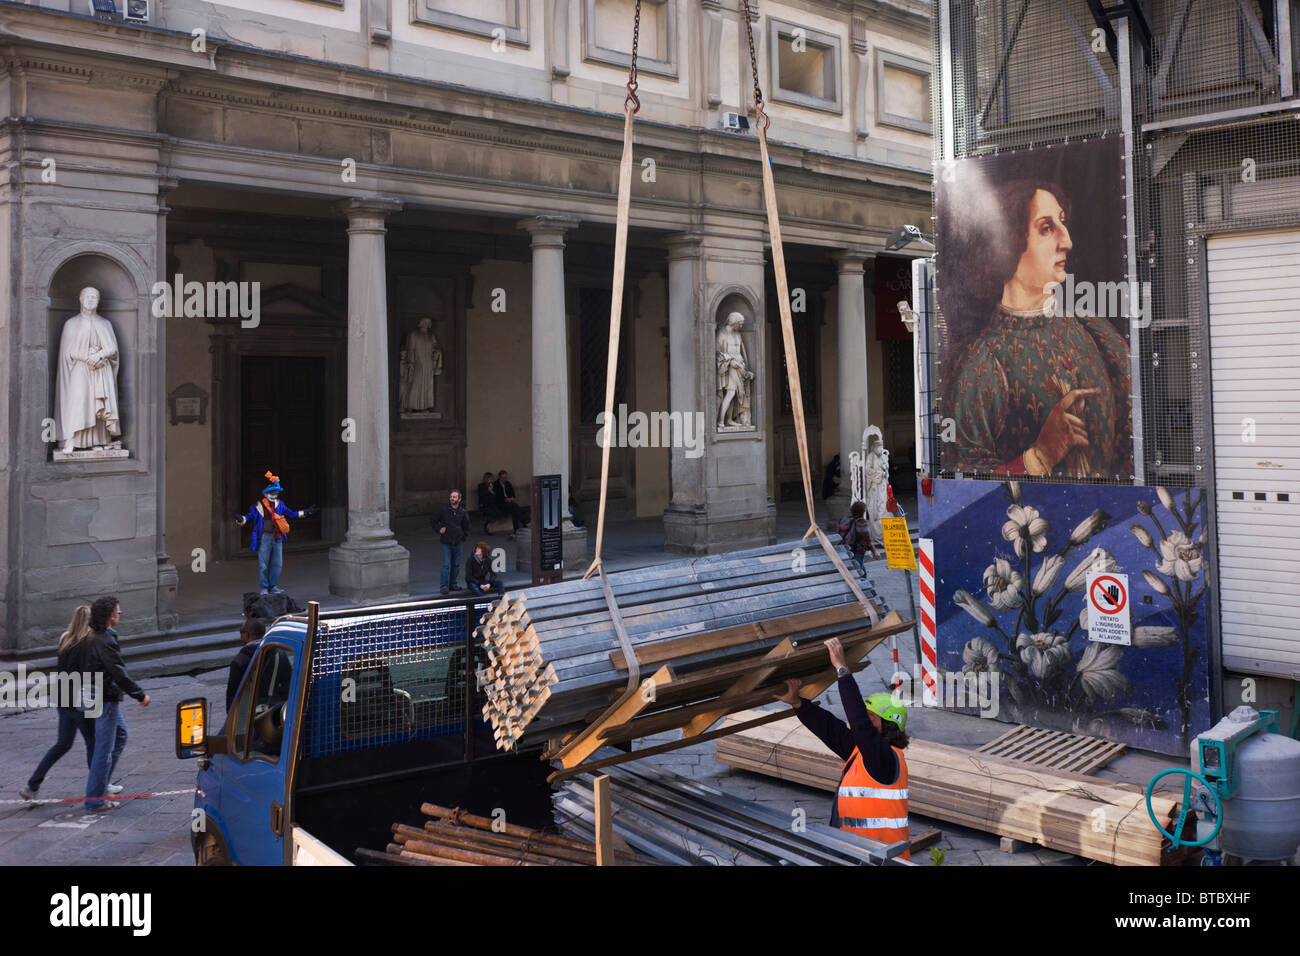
630,106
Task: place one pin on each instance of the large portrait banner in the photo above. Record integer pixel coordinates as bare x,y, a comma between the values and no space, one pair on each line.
1034,374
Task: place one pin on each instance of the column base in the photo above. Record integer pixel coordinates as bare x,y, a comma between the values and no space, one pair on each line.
830,511
169,615
577,552
696,532
372,573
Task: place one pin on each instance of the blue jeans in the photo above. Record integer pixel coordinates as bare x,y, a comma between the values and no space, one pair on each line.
861,561
270,558
450,566
70,722
110,741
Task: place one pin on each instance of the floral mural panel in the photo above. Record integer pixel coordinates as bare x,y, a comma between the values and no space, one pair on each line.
1011,566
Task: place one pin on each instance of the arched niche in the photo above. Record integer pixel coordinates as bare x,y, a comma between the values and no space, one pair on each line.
726,302
118,303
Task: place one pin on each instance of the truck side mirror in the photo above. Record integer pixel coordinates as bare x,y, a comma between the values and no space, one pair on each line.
192,728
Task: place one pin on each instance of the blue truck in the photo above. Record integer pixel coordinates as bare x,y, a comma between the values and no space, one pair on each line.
344,723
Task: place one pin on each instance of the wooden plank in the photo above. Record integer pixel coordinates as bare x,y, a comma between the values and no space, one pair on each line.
992,745
743,686
633,702
810,690
925,839
741,634
657,723
604,821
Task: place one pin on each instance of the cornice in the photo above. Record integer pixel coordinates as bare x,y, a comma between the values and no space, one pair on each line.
517,122
13,61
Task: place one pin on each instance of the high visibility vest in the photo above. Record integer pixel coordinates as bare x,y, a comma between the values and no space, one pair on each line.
869,807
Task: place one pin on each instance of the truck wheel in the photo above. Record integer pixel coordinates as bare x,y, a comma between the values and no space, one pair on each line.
210,851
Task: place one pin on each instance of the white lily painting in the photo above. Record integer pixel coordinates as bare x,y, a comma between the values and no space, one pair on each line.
1026,599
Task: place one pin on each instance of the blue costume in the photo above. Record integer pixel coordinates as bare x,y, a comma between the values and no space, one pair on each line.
269,543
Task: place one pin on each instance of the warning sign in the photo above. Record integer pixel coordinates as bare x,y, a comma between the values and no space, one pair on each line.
899,555
1109,615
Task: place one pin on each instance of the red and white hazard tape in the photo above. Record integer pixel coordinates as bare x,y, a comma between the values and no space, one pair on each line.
929,657
116,796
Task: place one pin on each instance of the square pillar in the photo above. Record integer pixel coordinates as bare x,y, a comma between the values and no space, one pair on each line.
720,500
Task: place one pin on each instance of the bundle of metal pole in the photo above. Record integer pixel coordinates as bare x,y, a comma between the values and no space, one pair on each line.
555,662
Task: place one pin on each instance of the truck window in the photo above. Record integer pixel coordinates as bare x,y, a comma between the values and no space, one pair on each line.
261,709
404,691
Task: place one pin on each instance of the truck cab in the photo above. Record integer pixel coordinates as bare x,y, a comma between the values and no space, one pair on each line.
344,723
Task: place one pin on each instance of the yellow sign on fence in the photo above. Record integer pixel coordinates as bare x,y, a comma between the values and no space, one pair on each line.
899,555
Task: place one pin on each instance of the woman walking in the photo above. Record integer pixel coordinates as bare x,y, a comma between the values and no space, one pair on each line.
72,719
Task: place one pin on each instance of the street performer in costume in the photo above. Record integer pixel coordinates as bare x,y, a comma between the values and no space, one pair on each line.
268,542
872,796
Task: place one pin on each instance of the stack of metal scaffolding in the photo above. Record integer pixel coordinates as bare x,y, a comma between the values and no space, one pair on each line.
555,658
674,820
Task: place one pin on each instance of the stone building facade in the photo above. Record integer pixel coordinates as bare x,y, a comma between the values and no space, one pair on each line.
370,163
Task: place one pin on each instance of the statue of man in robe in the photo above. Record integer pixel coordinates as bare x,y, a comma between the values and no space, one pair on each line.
875,480
734,375
86,384
421,364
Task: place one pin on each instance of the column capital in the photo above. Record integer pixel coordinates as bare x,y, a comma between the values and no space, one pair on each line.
850,261
367,214
548,230
684,245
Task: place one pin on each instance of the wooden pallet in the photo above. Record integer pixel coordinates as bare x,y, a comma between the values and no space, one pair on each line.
1053,749
1097,819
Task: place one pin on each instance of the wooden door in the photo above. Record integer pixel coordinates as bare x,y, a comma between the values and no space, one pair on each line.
283,431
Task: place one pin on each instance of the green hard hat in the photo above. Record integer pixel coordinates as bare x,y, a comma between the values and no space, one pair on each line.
887,707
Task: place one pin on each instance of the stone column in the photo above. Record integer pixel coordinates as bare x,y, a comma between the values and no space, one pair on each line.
550,346
851,348
168,579
686,386
369,564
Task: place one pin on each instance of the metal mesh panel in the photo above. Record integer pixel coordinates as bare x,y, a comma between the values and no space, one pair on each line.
390,679
1212,153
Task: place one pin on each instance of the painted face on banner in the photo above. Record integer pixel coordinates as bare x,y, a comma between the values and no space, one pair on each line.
1043,262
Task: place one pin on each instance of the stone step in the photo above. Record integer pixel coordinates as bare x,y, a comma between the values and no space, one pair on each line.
187,650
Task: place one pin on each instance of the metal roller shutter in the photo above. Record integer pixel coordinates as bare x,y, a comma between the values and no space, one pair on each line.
1254,290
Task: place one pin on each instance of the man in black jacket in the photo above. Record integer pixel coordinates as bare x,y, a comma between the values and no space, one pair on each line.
452,525
250,637
100,655
506,502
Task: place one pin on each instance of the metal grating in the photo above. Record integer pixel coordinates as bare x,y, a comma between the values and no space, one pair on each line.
397,678
1053,749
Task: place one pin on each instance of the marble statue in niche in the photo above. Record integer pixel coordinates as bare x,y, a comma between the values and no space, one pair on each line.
88,422
735,378
421,368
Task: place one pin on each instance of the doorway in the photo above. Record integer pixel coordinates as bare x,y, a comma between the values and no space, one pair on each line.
282,429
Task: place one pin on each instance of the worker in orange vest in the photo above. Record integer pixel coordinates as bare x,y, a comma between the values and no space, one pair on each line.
872,795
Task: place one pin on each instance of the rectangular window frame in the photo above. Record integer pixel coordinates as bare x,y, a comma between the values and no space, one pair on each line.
776,29
593,52
516,29
908,64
